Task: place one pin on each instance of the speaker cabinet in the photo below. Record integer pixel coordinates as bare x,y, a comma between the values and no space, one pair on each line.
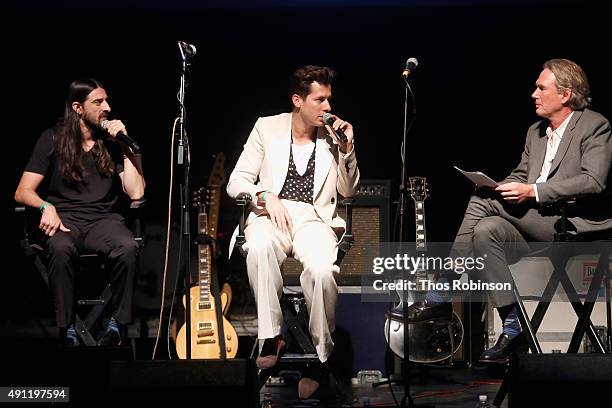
564,380
370,226
231,383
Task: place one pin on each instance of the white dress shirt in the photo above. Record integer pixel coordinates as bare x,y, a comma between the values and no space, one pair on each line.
554,139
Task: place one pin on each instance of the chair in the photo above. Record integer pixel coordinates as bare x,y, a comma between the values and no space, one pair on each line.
560,253
295,313
35,251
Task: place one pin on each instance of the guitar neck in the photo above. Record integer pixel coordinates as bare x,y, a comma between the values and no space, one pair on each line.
421,238
213,211
204,261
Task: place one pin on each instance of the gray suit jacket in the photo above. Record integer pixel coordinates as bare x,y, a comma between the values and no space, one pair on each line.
581,165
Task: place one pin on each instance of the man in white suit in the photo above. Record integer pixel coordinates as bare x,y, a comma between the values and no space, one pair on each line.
294,166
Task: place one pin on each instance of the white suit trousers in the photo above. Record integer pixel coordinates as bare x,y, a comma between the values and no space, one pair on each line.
311,242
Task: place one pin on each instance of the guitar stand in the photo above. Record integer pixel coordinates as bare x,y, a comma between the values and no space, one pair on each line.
404,380
401,380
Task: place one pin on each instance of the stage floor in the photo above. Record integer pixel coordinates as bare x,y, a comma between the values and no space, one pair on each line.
29,362
440,387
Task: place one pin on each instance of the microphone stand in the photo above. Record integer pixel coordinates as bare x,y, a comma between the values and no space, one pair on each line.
183,160
407,399
403,191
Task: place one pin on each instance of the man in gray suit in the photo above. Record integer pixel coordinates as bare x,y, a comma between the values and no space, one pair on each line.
568,152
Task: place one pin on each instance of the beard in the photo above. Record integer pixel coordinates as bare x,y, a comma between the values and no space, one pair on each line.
92,122
94,125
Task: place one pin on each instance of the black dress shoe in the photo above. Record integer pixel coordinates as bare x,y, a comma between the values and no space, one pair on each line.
505,346
110,338
423,311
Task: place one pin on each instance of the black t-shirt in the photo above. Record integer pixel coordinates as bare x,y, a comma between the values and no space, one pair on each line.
92,198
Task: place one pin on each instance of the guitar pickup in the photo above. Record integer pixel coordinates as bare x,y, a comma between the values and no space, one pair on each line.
203,326
204,305
206,341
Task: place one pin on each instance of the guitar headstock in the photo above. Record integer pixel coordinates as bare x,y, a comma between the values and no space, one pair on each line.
211,194
201,198
418,188
217,175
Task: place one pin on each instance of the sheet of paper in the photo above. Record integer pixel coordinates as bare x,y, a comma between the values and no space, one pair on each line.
478,178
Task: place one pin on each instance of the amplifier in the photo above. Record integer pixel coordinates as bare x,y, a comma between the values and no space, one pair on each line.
370,226
560,380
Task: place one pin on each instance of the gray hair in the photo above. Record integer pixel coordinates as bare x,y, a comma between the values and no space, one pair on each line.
570,75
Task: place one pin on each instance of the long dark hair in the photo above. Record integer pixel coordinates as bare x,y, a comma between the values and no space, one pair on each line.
69,142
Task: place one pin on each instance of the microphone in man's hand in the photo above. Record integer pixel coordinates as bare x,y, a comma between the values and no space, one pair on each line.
411,64
128,141
328,119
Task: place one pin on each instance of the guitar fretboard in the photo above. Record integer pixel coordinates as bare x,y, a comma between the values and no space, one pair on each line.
420,239
204,264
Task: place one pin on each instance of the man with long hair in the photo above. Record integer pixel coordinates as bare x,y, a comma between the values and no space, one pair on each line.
82,166
294,166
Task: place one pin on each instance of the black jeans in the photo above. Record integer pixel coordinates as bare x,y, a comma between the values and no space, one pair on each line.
108,237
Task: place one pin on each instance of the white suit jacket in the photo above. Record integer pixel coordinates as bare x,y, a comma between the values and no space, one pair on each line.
264,162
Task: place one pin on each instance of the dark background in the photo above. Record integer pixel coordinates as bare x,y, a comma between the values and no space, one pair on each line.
478,62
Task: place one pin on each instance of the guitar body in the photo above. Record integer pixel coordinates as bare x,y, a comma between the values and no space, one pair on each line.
226,291
430,341
204,332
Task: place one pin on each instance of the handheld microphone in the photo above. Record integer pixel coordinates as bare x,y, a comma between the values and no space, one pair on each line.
188,50
123,137
411,65
329,120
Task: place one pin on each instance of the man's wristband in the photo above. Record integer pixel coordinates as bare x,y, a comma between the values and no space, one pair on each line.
43,205
261,197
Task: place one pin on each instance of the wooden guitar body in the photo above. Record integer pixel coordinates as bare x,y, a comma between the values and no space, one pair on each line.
204,332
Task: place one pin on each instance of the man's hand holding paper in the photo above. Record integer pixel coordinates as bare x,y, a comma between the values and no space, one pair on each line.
516,192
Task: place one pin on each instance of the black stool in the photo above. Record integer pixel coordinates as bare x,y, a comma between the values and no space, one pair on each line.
96,303
560,252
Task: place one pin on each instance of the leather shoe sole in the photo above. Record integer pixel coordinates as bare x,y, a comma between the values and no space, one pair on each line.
307,387
312,379
269,361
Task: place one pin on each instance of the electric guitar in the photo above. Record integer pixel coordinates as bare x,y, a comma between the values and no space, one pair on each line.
204,325
429,341
213,193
